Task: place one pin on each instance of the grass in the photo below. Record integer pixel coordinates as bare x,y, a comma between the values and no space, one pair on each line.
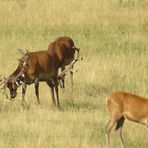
112,36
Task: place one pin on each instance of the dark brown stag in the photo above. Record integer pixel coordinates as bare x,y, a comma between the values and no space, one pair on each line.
42,67
64,50
34,67
13,81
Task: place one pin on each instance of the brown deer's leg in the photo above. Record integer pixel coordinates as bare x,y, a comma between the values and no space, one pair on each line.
108,128
50,84
37,89
119,126
115,116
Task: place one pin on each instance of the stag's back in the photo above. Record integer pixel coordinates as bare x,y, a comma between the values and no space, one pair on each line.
62,47
42,64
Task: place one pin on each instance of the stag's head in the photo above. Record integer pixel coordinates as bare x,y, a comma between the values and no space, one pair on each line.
14,81
12,85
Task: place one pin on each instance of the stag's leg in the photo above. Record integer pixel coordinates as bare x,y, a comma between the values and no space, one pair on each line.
24,86
119,126
57,91
114,117
71,76
50,84
63,79
37,89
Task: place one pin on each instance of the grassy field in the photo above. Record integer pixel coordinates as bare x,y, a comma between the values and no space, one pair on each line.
113,37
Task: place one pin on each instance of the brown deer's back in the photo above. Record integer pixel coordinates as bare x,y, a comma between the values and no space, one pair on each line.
132,106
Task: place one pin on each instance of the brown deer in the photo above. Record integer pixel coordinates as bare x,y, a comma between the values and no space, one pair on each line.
34,67
64,49
123,106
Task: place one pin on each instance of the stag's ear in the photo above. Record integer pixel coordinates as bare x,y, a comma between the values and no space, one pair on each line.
26,57
23,63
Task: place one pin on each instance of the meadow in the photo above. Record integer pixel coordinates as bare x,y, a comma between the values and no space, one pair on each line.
113,40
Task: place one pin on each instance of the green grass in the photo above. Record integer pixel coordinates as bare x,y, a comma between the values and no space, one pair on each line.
112,36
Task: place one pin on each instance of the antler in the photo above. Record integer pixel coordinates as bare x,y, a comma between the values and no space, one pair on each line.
21,73
27,51
68,69
22,52
24,58
3,80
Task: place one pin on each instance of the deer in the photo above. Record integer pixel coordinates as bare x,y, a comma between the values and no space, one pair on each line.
13,81
123,105
64,49
32,68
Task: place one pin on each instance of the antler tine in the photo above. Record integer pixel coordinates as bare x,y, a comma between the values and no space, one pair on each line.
68,69
27,51
3,89
65,71
2,80
20,50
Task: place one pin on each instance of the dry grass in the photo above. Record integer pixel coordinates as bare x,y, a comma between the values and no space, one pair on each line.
112,36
